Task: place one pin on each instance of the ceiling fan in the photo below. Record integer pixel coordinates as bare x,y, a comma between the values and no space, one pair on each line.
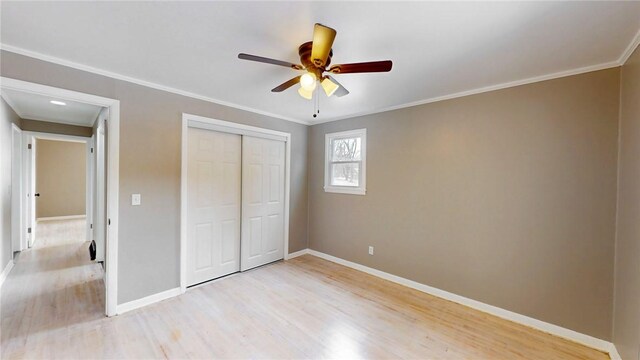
315,57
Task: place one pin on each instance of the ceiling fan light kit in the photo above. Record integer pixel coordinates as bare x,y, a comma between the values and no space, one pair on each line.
307,94
308,81
329,86
315,57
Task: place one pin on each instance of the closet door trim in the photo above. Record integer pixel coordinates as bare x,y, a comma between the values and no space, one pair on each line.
195,121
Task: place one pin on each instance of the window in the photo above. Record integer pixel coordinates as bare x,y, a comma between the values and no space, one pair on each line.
345,162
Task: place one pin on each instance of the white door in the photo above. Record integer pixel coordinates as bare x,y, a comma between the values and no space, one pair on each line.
31,216
213,204
17,228
100,192
262,201
91,186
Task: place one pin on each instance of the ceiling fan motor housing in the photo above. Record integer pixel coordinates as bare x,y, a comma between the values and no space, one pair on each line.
310,65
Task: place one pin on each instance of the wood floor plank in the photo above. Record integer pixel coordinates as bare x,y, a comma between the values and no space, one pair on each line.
52,307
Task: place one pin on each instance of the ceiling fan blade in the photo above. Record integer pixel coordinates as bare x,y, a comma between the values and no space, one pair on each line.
373,66
269,61
285,85
323,37
341,90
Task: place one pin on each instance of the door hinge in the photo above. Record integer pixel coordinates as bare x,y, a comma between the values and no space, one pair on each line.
28,230
109,222
29,146
91,226
92,150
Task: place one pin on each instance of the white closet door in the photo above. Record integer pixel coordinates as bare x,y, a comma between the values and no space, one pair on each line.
213,205
262,201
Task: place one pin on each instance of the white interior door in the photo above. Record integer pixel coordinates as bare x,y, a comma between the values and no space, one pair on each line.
100,192
17,228
263,162
213,204
26,190
90,187
31,175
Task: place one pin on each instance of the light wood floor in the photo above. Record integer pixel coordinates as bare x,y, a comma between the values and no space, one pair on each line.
52,306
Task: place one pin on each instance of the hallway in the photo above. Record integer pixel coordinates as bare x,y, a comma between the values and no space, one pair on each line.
52,287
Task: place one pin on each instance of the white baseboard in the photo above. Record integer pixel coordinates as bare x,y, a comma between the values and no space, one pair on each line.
613,353
135,304
6,271
67,217
556,330
296,254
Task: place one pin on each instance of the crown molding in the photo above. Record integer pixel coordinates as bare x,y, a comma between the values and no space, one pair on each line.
114,75
630,49
616,63
481,90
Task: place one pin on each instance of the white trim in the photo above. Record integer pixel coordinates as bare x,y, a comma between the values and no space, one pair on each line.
59,137
148,300
296,254
362,188
183,205
113,75
253,130
613,352
89,188
111,274
481,90
6,271
556,330
17,244
66,217
55,60
630,49
195,121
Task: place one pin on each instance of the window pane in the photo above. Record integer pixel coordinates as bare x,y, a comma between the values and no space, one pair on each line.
345,174
346,149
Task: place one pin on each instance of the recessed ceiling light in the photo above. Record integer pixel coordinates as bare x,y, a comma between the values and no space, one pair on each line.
56,102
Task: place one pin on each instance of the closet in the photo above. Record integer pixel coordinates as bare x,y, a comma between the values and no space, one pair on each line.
235,191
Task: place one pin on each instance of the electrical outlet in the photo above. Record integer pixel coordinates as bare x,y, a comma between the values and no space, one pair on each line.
136,199
370,250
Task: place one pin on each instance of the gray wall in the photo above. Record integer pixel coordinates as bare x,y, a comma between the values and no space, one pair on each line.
7,117
506,197
61,178
150,127
626,328
55,128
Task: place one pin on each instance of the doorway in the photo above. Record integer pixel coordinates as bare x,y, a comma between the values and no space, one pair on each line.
59,184
98,209
235,198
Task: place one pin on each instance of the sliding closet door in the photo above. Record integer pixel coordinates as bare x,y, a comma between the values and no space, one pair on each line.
213,204
262,201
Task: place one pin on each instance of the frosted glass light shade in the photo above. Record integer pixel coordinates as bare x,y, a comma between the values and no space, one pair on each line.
308,81
329,86
307,94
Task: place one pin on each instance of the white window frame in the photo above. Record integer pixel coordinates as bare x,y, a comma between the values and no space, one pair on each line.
362,181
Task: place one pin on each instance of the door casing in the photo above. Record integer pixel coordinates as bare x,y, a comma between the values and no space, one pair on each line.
113,168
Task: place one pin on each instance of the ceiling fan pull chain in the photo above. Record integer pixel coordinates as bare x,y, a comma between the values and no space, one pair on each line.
316,102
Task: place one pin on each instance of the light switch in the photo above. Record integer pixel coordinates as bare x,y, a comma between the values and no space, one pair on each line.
135,199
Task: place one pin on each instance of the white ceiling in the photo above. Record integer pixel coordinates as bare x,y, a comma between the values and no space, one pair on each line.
439,49
38,107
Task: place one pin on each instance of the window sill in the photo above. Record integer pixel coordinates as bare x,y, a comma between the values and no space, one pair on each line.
345,190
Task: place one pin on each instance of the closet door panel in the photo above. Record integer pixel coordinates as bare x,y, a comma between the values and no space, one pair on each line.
213,204
263,162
